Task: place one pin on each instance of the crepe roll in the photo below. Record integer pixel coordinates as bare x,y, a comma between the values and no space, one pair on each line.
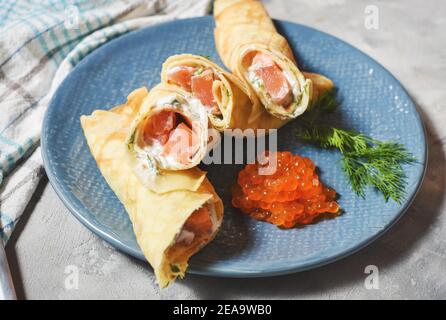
169,227
228,102
169,133
250,46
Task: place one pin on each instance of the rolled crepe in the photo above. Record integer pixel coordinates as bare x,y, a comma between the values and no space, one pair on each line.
169,227
251,47
169,133
229,103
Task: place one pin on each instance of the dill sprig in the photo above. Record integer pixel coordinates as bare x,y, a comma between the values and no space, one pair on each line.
329,137
365,161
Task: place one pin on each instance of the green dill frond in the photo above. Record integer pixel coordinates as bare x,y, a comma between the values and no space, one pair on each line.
131,141
199,71
389,151
365,161
328,137
151,165
328,102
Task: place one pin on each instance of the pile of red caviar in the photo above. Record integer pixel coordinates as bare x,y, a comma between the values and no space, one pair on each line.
292,195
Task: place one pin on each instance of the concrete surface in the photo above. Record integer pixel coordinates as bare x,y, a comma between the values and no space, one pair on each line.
411,257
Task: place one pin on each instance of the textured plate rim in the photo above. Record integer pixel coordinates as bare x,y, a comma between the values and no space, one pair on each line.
68,200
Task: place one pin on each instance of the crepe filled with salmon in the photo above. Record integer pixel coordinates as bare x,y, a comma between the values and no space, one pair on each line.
170,226
228,102
169,133
250,46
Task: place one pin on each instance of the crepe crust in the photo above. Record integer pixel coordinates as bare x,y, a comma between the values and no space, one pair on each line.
243,26
156,218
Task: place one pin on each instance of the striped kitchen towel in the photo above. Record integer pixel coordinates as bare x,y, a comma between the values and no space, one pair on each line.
40,42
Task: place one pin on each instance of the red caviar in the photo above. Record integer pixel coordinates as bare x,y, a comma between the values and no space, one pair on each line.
291,195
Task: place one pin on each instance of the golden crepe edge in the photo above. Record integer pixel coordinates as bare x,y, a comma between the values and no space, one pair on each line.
157,219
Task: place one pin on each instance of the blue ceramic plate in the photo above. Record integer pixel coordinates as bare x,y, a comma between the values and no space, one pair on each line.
374,102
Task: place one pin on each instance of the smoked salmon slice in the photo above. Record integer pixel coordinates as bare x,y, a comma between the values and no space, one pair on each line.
276,84
202,89
181,76
159,126
176,140
200,221
197,81
181,144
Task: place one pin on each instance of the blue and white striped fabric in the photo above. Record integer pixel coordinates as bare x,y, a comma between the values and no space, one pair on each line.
40,42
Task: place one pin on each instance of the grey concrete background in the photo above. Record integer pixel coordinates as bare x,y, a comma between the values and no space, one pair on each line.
411,257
